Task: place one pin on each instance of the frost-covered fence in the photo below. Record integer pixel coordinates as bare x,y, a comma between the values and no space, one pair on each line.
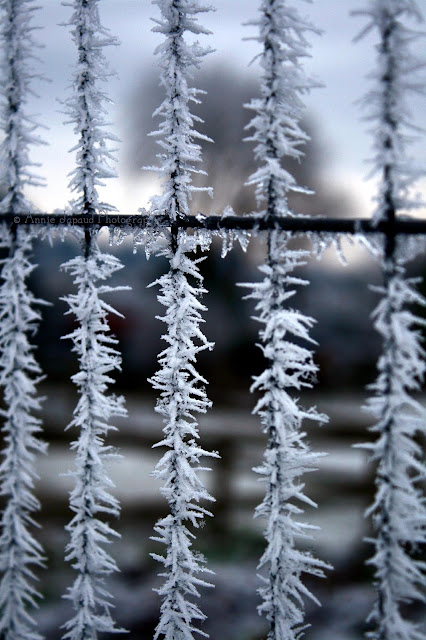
169,229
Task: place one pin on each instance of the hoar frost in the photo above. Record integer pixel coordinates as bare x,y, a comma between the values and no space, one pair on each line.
87,109
386,105
17,76
399,507
277,134
91,495
182,393
93,343
19,374
181,154
398,510
20,552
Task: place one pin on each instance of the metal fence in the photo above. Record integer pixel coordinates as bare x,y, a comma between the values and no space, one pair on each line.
398,511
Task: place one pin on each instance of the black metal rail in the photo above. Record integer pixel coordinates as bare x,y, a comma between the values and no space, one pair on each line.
252,222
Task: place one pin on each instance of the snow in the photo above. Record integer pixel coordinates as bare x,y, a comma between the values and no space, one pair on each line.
277,131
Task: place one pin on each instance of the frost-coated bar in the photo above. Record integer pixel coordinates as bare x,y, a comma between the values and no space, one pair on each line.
277,134
91,497
20,552
399,510
181,389
299,224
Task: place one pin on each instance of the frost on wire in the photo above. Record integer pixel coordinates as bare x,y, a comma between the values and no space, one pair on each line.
87,109
19,374
182,392
277,134
386,105
91,495
182,395
93,343
398,510
399,507
20,552
181,154
18,49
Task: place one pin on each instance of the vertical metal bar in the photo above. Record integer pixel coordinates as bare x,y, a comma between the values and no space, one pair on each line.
388,214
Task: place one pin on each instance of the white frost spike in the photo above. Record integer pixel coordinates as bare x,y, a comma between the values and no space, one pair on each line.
92,340
87,108
91,495
287,456
181,388
277,134
19,371
19,375
386,105
18,48
178,59
182,395
399,508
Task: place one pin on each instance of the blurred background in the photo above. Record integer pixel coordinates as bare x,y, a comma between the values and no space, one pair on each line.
338,297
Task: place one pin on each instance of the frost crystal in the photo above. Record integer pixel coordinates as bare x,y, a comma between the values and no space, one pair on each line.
19,371
177,135
182,395
19,375
92,340
399,508
17,75
287,456
181,387
386,106
277,134
91,495
87,108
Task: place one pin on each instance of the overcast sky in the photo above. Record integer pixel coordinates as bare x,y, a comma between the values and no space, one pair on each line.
336,61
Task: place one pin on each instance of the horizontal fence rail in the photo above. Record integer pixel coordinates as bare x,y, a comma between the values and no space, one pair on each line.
303,224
